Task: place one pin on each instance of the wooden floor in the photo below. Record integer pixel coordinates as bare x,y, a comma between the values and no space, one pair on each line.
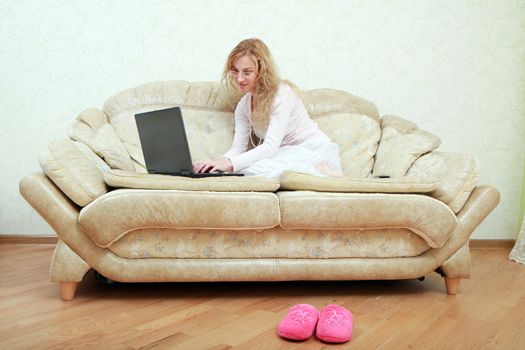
487,313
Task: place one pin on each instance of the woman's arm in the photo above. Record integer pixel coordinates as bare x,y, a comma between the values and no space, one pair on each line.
279,119
241,135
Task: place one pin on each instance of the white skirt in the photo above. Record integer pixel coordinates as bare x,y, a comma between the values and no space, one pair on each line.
301,158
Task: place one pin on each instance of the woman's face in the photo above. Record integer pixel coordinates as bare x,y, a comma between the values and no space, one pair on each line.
244,74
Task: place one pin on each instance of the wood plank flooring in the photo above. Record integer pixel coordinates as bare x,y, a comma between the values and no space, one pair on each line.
487,313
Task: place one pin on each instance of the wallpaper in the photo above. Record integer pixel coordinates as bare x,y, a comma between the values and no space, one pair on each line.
456,68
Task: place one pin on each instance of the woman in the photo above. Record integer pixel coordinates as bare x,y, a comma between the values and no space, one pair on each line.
270,107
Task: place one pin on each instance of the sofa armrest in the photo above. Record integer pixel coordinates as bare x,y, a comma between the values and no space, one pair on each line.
458,174
75,169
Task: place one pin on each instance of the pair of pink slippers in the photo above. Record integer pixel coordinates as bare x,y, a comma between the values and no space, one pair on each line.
333,324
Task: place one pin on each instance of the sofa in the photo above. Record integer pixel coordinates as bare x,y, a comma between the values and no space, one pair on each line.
403,209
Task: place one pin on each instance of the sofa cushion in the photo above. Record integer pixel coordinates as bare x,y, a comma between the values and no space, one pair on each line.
429,218
209,124
297,181
73,169
93,129
204,95
458,174
269,243
322,102
210,133
357,136
120,211
126,179
350,121
401,144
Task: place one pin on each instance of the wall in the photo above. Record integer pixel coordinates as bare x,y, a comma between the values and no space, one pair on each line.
455,68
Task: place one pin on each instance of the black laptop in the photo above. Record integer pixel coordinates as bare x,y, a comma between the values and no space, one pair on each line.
165,144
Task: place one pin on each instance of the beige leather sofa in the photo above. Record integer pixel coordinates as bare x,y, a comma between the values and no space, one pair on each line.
135,227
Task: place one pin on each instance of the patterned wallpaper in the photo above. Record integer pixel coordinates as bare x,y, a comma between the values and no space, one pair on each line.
456,68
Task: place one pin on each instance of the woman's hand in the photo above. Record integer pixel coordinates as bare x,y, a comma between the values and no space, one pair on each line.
211,166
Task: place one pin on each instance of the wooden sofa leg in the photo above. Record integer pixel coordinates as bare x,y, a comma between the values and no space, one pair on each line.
67,290
68,269
455,268
452,285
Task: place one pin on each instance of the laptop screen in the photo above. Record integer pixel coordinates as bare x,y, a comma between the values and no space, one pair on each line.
164,141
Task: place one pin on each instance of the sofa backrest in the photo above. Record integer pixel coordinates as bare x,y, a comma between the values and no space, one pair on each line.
350,121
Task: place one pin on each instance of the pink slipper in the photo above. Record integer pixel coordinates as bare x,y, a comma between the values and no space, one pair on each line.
299,323
335,324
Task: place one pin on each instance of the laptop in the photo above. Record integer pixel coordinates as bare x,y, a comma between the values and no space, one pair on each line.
165,144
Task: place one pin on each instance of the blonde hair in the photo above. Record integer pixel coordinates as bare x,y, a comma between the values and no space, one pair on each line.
266,84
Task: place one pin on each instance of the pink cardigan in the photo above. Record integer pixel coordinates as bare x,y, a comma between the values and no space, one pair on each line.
289,124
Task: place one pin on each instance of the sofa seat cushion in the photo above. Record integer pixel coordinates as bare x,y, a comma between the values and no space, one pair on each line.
297,181
118,212
126,179
269,243
429,218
